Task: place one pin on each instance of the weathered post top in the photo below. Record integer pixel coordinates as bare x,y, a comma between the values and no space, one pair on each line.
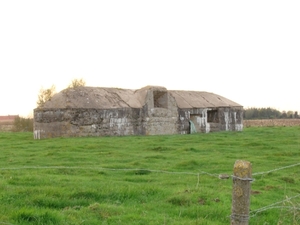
242,169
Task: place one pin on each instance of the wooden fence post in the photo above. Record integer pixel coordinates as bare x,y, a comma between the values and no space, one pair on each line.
242,173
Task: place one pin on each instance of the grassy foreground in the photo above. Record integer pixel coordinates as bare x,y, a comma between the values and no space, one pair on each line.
147,179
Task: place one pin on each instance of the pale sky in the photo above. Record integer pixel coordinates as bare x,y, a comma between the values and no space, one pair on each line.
247,51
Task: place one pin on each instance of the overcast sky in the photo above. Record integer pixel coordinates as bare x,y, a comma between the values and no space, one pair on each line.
247,51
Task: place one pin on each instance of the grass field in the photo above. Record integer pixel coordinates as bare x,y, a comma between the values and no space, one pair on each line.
148,179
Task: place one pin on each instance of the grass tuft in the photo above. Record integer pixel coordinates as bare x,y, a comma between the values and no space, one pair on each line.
180,200
142,172
36,216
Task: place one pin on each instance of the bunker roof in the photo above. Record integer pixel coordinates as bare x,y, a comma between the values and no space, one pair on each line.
106,98
201,99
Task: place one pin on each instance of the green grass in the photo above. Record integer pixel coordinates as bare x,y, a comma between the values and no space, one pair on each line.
147,179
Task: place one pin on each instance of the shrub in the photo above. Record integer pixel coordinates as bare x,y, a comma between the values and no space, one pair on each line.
23,124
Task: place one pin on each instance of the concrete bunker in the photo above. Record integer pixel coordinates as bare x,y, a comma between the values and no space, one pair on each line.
152,110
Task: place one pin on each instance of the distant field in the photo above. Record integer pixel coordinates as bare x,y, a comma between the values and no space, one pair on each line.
6,125
271,122
148,179
6,122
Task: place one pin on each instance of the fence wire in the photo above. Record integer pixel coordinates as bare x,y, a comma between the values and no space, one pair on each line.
137,169
274,206
111,169
280,168
252,213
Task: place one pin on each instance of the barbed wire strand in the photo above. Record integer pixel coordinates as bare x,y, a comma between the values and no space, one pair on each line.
276,207
111,169
272,206
280,168
136,169
268,207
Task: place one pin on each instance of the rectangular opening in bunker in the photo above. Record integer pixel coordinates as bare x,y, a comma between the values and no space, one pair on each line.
160,99
197,121
212,116
239,116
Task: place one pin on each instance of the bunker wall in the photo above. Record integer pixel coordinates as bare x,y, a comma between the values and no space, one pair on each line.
86,122
210,119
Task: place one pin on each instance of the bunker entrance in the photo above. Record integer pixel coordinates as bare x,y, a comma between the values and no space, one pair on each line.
196,121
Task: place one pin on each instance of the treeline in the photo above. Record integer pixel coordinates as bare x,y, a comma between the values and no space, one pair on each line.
268,113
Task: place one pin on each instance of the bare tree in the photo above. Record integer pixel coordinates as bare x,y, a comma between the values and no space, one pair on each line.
45,95
77,83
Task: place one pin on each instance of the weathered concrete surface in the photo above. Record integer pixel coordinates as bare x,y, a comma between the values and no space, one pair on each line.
95,97
87,122
88,111
161,112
